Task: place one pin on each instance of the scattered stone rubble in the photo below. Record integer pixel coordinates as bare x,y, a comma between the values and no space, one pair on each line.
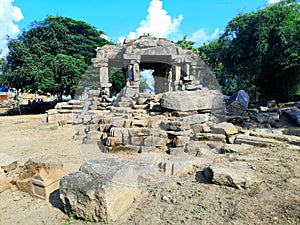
171,138
183,125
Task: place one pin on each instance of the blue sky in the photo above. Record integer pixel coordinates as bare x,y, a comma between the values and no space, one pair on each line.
200,20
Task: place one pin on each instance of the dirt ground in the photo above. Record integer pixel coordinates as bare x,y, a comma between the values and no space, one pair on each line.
178,200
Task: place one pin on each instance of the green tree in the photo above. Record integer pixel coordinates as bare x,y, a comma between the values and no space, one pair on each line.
260,51
53,55
117,79
184,43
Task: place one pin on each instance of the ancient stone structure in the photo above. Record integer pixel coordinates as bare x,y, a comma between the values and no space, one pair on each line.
175,68
181,126
40,176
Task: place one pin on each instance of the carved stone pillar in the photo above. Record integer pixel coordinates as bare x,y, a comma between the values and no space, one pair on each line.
104,79
136,72
103,72
176,75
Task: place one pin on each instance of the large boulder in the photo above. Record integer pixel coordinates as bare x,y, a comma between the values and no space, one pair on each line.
237,103
293,114
101,190
193,100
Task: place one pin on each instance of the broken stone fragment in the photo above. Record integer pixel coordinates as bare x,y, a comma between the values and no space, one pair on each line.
267,117
293,114
7,163
178,165
4,181
237,103
40,176
101,190
180,141
175,125
256,141
224,128
232,148
237,176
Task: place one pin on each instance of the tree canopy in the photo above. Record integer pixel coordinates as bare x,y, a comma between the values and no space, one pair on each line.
52,55
259,52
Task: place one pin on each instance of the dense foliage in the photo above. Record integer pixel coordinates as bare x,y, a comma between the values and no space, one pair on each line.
53,55
259,52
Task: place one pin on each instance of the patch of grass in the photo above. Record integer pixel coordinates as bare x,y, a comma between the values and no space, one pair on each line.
139,207
195,193
152,190
203,216
231,197
203,204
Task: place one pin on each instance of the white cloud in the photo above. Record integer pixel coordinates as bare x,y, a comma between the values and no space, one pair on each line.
9,14
157,23
273,1
200,36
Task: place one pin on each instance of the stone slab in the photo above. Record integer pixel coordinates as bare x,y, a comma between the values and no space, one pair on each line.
101,190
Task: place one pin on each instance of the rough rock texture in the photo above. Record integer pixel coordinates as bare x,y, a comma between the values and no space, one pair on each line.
238,102
7,163
40,176
101,190
224,128
192,100
4,181
235,175
256,141
293,113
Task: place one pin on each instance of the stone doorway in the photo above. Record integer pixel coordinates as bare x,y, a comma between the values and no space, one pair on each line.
161,75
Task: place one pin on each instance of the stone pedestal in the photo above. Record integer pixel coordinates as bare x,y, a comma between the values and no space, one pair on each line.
41,176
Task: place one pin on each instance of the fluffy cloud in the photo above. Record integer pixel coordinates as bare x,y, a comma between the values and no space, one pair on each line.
157,23
200,36
273,1
9,14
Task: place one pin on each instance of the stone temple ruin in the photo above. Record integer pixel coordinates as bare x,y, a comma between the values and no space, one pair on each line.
163,134
175,69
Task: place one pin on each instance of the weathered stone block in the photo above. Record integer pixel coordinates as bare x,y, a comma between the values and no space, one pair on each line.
197,118
176,125
4,181
237,176
119,132
139,123
138,132
94,135
211,137
155,141
293,114
267,117
101,190
7,163
180,141
196,148
238,102
178,165
256,141
137,140
114,141
224,128
193,100
40,176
